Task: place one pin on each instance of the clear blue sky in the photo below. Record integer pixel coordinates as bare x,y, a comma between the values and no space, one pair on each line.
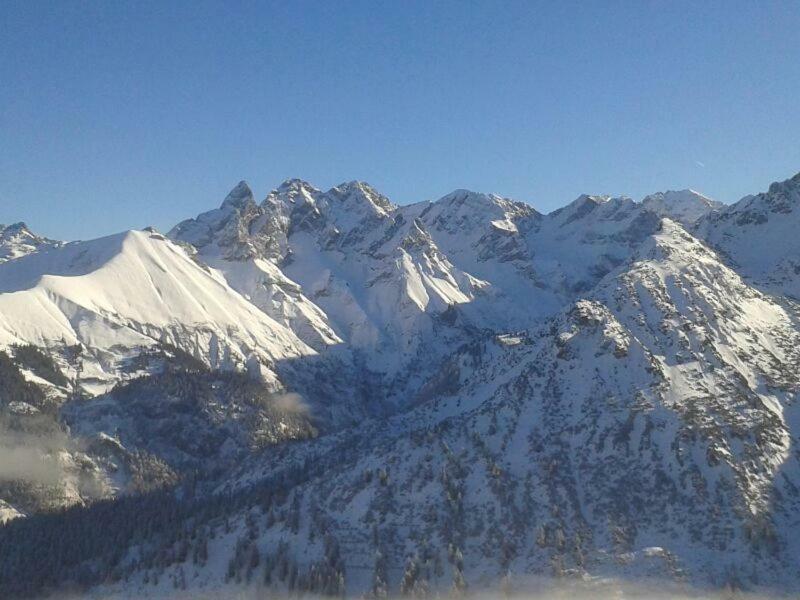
118,115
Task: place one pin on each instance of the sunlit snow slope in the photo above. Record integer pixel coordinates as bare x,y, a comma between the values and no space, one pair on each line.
118,294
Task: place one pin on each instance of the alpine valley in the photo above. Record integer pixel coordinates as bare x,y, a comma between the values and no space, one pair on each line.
324,393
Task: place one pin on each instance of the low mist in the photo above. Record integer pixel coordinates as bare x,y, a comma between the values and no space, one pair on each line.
30,458
533,589
290,403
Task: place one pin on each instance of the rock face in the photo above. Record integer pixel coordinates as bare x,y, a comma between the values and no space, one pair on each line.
625,426
323,392
758,235
241,241
340,268
17,240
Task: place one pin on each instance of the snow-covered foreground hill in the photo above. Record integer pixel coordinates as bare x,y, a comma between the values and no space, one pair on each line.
325,393
132,291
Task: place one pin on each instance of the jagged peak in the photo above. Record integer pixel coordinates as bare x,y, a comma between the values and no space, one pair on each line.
463,196
19,230
17,240
687,194
14,228
229,221
240,197
360,192
581,201
463,193
591,198
791,184
355,184
479,206
686,206
585,204
295,184
782,197
291,191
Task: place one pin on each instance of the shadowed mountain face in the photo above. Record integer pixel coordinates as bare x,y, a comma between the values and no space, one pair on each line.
758,235
323,392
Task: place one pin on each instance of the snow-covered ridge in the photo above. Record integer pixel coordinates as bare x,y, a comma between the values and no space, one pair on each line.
360,270
243,242
17,240
609,389
758,235
117,294
336,266
653,418
684,206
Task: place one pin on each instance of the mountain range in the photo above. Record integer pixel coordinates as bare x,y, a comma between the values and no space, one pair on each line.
326,393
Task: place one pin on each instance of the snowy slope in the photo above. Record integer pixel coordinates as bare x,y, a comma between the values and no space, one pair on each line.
608,390
236,240
684,206
8,512
118,294
536,263
759,235
485,235
646,430
360,271
129,301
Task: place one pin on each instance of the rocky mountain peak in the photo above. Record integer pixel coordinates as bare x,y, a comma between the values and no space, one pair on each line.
787,186
360,196
783,197
464,202
584,205
292,187
685,206
240,197
293,203
469,214
758,235
17,240
14,229
605,391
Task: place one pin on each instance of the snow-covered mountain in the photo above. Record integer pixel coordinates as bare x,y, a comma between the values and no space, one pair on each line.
325,392
759,236
536,263
237,239
112,310
17,240
117,295
358,271
626,436
684,206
